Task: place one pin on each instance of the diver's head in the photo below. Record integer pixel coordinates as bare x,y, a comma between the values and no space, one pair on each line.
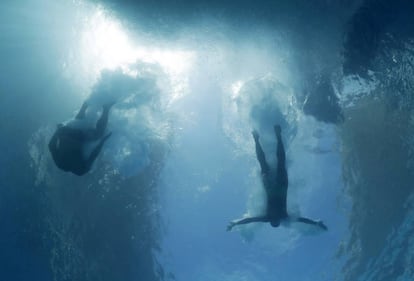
275,223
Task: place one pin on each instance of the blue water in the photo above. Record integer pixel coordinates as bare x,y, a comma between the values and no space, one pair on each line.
191,80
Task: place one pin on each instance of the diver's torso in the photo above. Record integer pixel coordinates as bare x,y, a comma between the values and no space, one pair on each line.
276,194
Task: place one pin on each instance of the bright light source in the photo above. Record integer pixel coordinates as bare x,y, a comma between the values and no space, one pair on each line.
173,62
105,42
105,45
235,88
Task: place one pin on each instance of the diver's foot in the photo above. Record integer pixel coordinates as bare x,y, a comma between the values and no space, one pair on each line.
84,105
230,226
278,130
255,135
82,112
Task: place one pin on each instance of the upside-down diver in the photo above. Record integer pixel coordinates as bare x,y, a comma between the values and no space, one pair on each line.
67,144
276,185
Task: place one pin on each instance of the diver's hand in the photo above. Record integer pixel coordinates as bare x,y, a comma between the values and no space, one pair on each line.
321,225
230,225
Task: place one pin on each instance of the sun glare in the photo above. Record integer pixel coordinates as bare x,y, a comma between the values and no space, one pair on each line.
235,88
105,45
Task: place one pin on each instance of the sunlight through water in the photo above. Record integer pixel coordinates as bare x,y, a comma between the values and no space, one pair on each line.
105,44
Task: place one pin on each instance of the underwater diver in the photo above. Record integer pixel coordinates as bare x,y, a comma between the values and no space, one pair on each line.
276,185
67,144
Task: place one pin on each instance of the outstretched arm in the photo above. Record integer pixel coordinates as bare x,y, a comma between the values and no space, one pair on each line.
246,220
309,221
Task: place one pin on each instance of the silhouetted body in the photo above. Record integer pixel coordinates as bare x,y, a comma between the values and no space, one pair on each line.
67,144
276,185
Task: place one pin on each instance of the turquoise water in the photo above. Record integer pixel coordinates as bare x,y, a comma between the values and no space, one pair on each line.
192,79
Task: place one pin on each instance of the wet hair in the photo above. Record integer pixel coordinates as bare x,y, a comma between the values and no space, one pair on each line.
275,223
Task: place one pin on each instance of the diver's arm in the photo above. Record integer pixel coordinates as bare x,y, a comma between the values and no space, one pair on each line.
247,220
309,221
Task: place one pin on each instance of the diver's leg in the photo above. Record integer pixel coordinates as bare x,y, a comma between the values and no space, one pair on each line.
103,121
260,154
95,152
82,111
282,177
